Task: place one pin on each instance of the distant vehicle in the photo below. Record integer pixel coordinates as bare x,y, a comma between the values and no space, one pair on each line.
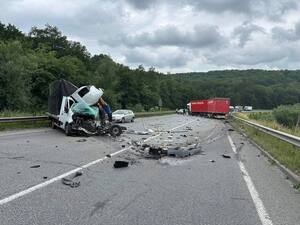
231,108
238,108
180,111
215,107
123,115
248,108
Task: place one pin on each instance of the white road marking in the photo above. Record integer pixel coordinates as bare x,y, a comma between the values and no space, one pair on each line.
54,179
260,208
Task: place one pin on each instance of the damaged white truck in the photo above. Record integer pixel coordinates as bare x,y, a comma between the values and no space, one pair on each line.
75,110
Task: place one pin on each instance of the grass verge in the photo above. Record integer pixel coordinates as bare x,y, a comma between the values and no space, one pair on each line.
268,123
287,154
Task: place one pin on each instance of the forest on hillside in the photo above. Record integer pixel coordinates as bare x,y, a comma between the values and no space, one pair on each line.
30,62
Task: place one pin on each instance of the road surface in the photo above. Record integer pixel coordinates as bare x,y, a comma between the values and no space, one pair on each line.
204,189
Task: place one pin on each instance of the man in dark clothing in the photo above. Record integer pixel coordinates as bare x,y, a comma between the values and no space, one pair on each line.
104,108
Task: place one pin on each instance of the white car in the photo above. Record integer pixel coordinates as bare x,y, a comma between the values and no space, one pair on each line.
123,115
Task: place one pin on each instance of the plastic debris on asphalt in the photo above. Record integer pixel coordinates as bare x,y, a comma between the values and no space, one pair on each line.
70,181
121,164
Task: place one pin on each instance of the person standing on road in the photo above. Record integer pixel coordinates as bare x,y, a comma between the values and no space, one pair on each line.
104,108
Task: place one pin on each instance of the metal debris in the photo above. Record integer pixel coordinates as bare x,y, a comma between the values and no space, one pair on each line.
35,166
81,140
121,164
70,182
226,156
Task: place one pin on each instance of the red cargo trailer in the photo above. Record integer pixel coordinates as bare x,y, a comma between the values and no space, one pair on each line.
215,107
218,107
199,107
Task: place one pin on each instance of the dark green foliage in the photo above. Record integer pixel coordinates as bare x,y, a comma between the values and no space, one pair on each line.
28,63
288,115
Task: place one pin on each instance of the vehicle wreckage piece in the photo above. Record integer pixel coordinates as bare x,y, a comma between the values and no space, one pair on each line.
179,151
121,164
73,110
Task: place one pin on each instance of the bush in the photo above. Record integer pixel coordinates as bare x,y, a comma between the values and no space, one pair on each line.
287,115
266,116
137,108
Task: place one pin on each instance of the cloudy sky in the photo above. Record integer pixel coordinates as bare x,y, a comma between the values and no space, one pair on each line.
173,35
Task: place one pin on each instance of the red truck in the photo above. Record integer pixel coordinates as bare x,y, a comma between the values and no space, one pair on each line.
214,107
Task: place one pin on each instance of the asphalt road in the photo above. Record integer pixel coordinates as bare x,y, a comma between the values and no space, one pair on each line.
242,190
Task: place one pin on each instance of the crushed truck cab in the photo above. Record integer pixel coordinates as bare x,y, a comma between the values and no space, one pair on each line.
75,110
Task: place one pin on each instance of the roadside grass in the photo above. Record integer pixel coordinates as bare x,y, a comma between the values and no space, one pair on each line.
268,122
287,154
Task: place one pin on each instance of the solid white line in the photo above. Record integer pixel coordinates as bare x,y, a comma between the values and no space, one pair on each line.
46,183
260,208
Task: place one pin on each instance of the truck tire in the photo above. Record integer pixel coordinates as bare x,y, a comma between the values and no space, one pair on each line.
68,129
115,130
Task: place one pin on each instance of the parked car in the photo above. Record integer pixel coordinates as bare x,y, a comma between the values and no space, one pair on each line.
123,115
180,111
248,108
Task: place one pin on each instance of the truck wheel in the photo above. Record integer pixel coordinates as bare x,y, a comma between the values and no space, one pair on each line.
115,130
123,120
68,129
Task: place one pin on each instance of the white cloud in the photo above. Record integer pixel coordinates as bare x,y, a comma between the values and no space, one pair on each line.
175,36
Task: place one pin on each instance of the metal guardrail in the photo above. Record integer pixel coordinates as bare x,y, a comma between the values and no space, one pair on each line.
41,118
22,119
294,140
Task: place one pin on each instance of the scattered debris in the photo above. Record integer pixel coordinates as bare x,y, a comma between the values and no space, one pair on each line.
188,128
230,129
18,172
81,140
178,131
226,156
212,160
45,177
108,156
145,132
258,155
35,166
183,135
123,146
121,164
70,182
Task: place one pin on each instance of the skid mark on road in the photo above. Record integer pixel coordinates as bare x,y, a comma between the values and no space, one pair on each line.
260,208
57,178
